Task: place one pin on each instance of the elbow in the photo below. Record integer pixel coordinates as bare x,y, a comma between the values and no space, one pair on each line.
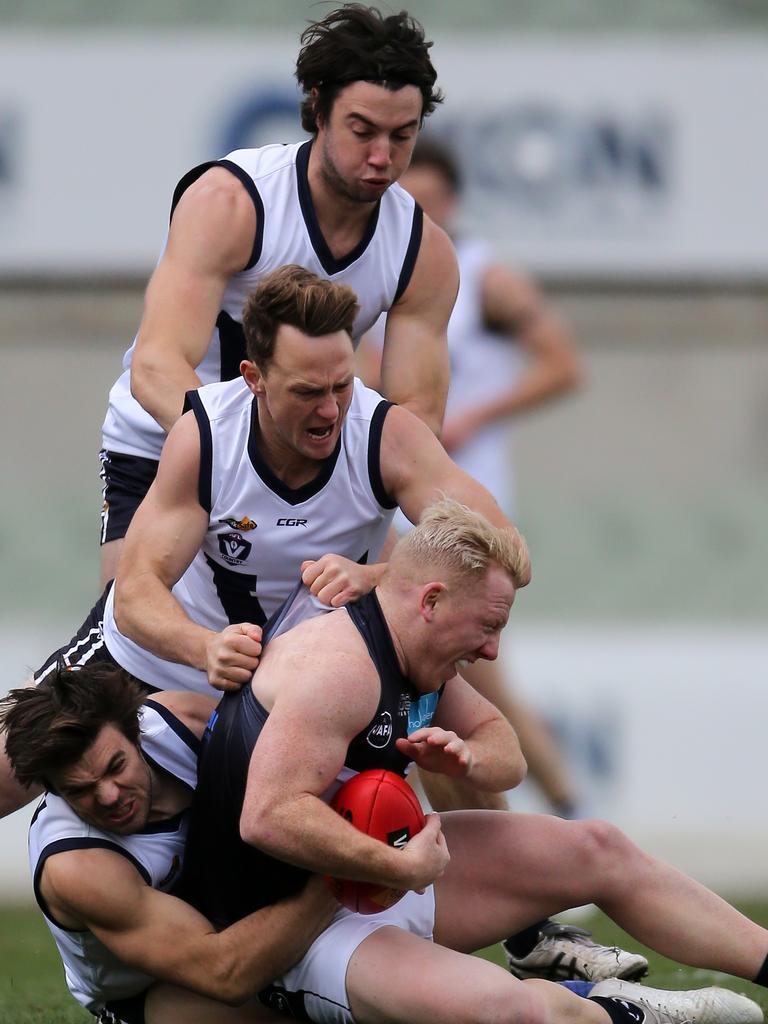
228,985
518,771
256,824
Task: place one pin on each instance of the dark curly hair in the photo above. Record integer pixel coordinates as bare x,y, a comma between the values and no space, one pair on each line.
358,43
50,726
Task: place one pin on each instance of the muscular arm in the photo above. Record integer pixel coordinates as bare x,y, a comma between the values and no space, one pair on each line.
414,367
469,739
163,538
161,935
328,691
514,306
210,239
416,471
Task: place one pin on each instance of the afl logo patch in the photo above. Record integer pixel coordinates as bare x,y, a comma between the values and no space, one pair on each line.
380,732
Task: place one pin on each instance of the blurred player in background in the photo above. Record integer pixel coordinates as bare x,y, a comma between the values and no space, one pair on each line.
330,204
509,353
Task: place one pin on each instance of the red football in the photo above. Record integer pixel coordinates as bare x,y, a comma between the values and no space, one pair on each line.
384,806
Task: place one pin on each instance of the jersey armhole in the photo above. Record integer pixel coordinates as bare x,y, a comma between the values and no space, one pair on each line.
411,253
374,456
193,403
84,843
250,187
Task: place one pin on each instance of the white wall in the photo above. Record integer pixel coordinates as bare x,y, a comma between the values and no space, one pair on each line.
603,156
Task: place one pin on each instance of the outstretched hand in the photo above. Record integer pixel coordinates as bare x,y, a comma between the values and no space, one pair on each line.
437,750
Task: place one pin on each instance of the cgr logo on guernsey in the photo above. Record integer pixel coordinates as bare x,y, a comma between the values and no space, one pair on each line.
292,522
380,732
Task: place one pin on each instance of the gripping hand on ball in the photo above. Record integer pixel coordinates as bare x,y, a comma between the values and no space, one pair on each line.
427,854
438,750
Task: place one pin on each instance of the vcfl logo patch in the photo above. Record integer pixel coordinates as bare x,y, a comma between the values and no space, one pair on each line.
234,549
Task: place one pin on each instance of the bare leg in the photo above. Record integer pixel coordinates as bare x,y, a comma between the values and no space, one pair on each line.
394,976
110,555
167,1003
509,870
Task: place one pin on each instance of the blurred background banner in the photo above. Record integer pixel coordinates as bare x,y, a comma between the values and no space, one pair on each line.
610,157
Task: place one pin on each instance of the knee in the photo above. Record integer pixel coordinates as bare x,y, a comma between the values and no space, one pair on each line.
521,1004
603,848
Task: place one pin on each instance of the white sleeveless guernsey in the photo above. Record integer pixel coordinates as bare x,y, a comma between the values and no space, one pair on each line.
260,531
378,269
93,974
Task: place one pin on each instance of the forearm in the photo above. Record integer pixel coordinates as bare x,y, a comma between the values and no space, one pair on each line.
248,955
161,386
497,762
147,613
306,832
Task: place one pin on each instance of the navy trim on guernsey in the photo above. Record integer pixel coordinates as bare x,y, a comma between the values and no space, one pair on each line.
192,402
330,264
374,456
182,731
191,177
288,494
250,186
188,179
412,252
231,346
83,843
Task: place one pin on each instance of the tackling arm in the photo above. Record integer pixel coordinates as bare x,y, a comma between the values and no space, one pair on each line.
414,367
166,938
210,239
163,538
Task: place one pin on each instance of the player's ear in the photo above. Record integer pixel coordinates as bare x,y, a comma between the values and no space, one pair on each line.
252,376
429,598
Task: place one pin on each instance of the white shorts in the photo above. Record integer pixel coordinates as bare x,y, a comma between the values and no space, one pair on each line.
320,978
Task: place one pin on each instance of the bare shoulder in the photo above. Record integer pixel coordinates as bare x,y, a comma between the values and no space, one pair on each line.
435,276
323,653
84,885
192,709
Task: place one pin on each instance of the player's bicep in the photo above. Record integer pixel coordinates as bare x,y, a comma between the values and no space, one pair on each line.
170,523
415,369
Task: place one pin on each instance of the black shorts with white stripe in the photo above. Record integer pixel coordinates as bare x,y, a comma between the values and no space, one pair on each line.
86,647
126,478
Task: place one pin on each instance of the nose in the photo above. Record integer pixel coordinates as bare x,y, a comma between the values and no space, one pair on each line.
328,408
107,793
379,154
490,649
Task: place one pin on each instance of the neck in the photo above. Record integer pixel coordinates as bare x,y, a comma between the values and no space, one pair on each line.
342,220
170,796
289,466
390,606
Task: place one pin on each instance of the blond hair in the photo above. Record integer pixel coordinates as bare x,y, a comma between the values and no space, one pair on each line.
462,542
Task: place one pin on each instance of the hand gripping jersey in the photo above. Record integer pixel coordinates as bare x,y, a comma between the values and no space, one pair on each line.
224,877
260,531
378,269
93,974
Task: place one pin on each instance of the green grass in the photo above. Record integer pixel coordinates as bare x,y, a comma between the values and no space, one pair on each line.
32,988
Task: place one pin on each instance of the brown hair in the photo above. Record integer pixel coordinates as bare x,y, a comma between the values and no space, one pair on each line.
295,296
50,726
358,43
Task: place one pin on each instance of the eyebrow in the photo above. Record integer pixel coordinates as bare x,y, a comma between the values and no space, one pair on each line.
82,787
353,115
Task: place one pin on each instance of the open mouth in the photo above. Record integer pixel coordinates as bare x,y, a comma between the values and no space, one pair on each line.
123,815
320,433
